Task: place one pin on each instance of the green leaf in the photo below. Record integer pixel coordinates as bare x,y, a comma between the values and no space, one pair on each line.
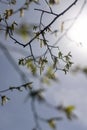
51,123
13,2
62,26
67,58
21,62
52,2
24,30
35,27
67,66
21,12
4,99
42,62
60,54
65,70
8,13
50,74
69,54
13,25
32,67
68,111
55,62
41,43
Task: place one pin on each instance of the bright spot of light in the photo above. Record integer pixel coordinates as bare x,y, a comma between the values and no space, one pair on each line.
78,32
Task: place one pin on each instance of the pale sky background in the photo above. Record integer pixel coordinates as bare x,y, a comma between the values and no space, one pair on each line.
72,89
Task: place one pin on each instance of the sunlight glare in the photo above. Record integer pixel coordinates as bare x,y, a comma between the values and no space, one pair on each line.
78,32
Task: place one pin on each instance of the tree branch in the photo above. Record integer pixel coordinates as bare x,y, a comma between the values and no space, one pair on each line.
62,13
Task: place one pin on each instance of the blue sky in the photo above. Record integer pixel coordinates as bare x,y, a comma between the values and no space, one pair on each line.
71,89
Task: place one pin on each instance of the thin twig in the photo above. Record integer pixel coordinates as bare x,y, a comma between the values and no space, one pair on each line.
44,11
48,6
62,13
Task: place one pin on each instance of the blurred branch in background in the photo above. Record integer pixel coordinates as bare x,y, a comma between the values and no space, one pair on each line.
79,69
12,62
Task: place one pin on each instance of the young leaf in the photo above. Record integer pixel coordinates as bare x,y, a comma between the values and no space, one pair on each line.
32,67
65,70
13,25
62,26
35,27
55,62
8,13
50,74
13,2
4,99
41,43
21,12
21,62
51,123
68,111
60,55
52,2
